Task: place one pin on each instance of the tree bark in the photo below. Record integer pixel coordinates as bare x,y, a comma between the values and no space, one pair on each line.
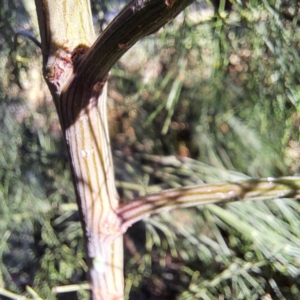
82,112
75,68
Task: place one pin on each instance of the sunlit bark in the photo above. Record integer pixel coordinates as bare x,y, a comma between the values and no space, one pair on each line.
75,68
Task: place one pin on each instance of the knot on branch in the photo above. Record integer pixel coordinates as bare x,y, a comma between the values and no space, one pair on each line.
77,55
106,230
99,84
169,3
58,68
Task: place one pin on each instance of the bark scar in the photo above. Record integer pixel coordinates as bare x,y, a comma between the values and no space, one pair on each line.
99,84
58,64
78,54
170,3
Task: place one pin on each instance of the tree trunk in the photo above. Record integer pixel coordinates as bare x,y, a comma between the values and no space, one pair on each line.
81,107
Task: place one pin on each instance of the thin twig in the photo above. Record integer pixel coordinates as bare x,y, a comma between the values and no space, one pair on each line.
70,288
255,189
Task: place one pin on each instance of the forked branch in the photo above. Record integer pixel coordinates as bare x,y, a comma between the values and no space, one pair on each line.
76,72
136,20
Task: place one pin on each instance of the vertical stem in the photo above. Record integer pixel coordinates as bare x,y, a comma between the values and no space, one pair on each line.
65,25
90,155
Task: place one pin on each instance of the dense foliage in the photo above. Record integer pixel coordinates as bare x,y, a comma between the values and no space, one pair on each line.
213,96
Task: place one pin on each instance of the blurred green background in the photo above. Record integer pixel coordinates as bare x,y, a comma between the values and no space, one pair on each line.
213,96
